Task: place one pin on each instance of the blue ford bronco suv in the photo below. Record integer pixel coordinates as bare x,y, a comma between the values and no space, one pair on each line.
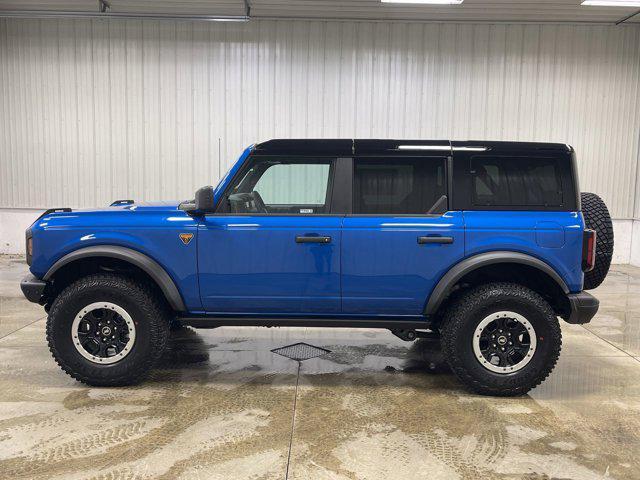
482,245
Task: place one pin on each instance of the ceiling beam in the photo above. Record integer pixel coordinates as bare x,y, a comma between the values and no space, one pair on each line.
105,12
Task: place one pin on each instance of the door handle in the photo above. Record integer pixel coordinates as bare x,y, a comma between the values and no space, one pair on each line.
445,240
312,239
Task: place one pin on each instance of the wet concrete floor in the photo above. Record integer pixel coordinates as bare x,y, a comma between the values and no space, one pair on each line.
223,406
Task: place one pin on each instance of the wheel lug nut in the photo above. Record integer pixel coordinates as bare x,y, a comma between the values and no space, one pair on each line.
494,345
503,349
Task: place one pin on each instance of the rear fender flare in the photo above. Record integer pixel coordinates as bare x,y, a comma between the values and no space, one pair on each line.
140,260
447,282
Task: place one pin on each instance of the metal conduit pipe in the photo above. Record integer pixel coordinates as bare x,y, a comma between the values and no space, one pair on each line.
107,14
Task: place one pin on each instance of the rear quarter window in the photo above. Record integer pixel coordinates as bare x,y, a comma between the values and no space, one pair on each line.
516,182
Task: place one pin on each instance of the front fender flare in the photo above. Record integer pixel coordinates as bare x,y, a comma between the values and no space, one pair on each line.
446,283
140,260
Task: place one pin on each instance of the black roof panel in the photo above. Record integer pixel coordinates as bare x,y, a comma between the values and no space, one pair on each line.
348,147
319,147
506,147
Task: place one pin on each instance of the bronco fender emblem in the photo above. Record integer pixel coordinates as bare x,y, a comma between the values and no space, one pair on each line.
186,237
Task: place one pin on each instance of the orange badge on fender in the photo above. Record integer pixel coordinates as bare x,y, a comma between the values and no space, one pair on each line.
186,237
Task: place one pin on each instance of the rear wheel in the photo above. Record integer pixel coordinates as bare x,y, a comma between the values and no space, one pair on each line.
501,339
107,330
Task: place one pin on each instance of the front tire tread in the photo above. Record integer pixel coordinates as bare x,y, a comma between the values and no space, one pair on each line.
155,314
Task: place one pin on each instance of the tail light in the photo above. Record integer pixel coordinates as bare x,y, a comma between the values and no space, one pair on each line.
29,248
588,250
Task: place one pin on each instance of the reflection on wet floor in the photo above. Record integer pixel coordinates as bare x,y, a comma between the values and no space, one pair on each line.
221,405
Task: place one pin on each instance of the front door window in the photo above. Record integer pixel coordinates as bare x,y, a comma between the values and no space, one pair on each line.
283,186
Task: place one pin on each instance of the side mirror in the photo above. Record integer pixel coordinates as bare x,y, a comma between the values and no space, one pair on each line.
204,199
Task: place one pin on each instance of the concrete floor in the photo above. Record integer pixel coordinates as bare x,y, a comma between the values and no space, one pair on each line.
222,406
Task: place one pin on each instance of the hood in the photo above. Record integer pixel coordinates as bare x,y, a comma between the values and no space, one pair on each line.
130,213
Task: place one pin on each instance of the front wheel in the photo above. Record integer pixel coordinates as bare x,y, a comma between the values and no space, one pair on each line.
501,339
107,330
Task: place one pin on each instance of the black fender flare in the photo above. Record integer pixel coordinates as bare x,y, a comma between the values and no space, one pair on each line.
455,273
140,260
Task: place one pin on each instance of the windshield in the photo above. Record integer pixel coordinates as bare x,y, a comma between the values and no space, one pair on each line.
217,192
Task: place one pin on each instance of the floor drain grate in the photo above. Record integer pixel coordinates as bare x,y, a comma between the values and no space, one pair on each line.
300,351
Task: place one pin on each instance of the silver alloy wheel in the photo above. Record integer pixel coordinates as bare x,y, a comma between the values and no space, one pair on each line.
95,333
504,342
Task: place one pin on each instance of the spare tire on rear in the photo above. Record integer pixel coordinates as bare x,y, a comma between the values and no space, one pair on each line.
596,217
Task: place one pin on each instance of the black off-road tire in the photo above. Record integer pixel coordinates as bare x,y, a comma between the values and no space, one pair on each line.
148,313
596,217
462,320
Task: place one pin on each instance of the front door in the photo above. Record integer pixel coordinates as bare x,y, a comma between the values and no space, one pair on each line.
400,238
273,247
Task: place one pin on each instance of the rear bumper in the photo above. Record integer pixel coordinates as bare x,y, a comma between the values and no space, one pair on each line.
33,288
583,307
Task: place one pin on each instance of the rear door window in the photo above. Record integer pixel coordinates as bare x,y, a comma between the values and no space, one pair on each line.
516,182
398,185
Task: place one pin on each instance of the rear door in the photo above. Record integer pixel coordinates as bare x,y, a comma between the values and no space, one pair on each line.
400,238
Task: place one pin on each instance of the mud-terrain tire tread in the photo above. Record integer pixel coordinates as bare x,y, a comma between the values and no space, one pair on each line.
454,325
155,314
597,217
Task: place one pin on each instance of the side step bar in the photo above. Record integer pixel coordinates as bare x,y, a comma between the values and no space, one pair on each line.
390,324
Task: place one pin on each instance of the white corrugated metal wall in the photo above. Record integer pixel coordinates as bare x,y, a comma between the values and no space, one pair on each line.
95,110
